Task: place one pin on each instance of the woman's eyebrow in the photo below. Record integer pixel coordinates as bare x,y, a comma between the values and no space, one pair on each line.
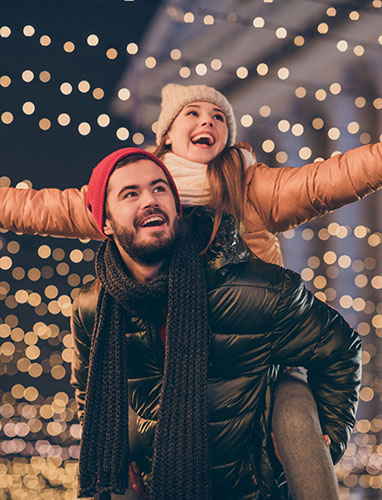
198,106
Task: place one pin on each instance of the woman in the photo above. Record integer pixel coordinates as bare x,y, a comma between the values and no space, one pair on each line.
266,200
196,134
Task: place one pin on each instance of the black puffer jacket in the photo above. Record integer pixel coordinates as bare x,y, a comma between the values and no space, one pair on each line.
261,317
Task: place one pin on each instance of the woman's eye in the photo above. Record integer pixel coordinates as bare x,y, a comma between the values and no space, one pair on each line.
220,117
193,113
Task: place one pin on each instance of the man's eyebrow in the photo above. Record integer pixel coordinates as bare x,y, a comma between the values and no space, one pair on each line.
133,187
156,181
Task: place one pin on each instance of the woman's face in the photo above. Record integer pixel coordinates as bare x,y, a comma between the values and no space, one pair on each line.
199,133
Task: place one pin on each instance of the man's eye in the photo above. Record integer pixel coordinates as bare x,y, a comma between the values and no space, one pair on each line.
130,194
159,189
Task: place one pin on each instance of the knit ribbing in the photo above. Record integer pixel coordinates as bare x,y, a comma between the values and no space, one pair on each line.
180,462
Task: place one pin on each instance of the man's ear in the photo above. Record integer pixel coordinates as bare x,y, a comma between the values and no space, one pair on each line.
107,229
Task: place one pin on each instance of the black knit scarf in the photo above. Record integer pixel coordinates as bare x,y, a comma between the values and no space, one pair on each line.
181,455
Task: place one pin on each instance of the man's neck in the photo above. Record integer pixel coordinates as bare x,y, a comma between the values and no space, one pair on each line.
140,272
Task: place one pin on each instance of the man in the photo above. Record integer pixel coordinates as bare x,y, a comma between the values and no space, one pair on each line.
189,347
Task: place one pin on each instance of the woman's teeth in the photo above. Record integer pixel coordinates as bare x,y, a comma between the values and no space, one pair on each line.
203,139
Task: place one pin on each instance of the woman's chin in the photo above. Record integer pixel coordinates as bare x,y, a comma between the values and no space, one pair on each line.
201,156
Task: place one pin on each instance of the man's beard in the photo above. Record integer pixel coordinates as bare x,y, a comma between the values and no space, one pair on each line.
151,252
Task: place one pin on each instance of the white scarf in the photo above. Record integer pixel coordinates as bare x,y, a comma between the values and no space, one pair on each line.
191,177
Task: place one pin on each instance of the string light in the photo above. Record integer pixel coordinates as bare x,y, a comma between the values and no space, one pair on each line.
5,31
132,48
283,125
322,28
297,129
258,22
123,134
150,62
63,119
103,120
281,33
185,72
300,92
175,54
281,157
242,72
66,88
44,124
69,47
262,69
318,123
92,40
124,94
98,93
209,20
342,45
335,88
84,128
27,75
44,76
283,73
268,145
45,40
5,81
246,120
201,69
265,111
189,17
7,117
138,139
83,86
216,64
299,41
111,53
52,418
29,30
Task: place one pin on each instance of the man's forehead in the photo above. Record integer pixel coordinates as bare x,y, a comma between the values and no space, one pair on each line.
139,171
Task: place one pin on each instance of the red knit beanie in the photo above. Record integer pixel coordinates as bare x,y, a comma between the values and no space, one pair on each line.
96,195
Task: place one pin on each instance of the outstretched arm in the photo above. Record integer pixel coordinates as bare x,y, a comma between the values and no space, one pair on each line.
47,212
312,334
286,197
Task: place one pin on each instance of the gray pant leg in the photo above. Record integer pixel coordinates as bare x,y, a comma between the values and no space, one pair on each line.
305,456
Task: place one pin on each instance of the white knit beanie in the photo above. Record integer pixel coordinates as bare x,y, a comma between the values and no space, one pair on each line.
175,97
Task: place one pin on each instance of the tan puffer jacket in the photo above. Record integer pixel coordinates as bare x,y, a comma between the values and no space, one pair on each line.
277,199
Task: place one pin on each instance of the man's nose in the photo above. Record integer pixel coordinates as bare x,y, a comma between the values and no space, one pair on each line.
148,199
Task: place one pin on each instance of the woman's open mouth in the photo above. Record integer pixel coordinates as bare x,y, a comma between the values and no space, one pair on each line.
203,139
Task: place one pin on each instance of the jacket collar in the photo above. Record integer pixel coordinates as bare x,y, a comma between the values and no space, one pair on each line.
228,247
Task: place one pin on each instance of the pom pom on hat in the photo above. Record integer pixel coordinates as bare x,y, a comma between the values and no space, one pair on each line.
175,97
97,188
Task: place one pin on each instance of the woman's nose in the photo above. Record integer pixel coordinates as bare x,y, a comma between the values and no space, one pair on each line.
207,122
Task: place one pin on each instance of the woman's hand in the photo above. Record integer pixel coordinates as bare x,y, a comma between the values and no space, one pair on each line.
136,481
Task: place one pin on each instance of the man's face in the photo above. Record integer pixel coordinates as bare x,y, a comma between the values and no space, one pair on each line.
142,215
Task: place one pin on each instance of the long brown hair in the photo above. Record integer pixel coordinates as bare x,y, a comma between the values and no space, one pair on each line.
226,177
